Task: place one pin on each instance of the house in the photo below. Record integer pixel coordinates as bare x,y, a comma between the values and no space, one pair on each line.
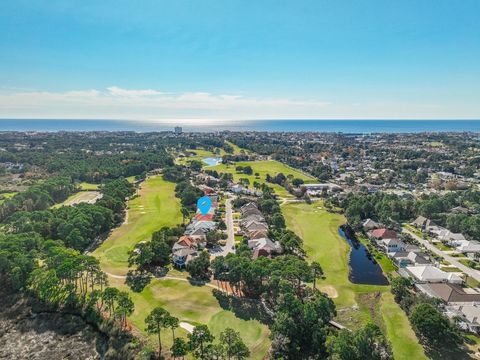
369,224
264,247
466,316
383,234
469,248
250,209
452,294
408,258
315,189
201,217
431,274
258,234
448,237
392,245
237,189
181,257
250,218
422,223
255,225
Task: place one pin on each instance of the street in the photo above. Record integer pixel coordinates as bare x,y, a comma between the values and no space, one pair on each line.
470,272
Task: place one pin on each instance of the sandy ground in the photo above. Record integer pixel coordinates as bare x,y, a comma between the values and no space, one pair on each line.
329,290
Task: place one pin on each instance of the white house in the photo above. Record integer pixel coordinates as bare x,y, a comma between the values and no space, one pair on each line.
392,245
432,274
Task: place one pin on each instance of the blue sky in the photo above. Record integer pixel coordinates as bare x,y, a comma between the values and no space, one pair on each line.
208,59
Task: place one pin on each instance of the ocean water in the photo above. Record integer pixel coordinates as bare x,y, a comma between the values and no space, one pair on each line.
344,126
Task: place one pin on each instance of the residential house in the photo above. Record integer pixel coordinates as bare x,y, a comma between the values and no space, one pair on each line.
369,224
255,225
430,274
383,233
264,247
392,245
422,223
466,316
409,258
258,234
451,294
470,248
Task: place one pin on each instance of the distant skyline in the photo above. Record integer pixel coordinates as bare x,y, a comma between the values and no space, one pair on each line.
224,59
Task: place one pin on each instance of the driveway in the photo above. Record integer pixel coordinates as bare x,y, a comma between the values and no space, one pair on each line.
470,272
230,243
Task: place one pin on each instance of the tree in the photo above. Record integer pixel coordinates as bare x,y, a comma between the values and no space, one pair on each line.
400,287
433,327
317,272
233,345
185,214
179,348
155,321
172,323
199,340
297,182
365,343
125,306
109,297
199,267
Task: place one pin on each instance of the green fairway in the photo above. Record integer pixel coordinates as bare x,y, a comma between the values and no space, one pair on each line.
155,207
356,303
263,168
195,305
200,154
404,342
88,186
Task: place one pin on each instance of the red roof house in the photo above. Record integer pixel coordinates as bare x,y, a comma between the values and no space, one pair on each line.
384,234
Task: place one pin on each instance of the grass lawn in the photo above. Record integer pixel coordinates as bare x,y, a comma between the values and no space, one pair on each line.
263,168
356,304
200,155
88,186
404,342
195,305
155,207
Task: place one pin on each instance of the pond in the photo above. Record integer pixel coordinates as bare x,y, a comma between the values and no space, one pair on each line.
363,267
212,161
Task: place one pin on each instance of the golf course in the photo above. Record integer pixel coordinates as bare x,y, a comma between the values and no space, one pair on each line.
154,207
356,304
262,168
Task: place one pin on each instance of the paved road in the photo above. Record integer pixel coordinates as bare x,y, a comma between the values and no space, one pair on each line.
469,271
230,243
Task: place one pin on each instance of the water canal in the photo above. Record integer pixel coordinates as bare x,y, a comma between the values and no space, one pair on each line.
363,267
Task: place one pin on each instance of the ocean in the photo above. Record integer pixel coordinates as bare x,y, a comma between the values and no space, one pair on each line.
344,126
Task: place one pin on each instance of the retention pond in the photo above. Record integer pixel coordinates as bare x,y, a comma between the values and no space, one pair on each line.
363,267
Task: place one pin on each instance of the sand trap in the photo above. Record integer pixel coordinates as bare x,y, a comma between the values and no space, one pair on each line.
187,326
329,290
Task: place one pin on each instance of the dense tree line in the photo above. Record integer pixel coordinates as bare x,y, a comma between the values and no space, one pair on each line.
77,226
434,329
38,197
391,210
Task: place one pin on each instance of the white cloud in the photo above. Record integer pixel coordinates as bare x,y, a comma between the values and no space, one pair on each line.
115,102
120,103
